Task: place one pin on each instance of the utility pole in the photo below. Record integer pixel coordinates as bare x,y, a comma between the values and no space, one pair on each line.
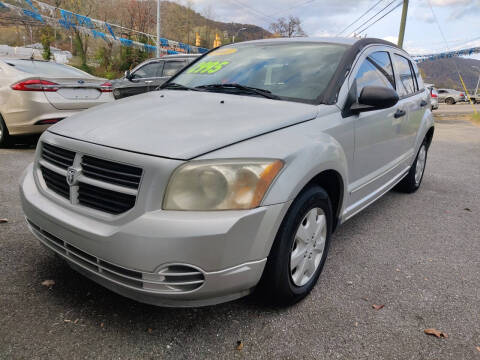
158,28
403,22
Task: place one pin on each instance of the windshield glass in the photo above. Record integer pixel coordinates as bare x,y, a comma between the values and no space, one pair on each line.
296,71
46,68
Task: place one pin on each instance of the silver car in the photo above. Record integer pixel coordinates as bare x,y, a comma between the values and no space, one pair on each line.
36,94
234,176
450,96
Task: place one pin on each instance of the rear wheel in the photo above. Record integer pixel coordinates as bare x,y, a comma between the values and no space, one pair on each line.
4,135
300,249
450,101
412,181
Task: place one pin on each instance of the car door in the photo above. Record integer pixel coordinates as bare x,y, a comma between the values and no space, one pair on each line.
143,78
413,97
442,95
378,146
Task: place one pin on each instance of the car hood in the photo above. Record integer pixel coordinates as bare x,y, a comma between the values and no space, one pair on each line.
182,124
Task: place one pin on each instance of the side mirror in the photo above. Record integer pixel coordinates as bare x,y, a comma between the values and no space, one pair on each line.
128,76
375,98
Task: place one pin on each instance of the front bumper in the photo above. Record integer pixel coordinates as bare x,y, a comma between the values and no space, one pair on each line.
226,249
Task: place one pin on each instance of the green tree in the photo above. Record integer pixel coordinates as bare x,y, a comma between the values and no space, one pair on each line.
46,38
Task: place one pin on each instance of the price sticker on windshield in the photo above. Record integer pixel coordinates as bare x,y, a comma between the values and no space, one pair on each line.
208,67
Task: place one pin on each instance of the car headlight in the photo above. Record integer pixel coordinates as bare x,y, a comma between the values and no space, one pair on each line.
220,184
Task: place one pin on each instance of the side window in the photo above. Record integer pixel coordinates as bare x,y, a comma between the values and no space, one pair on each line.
407,82
381,60
370,75
172,67
149,70
421,85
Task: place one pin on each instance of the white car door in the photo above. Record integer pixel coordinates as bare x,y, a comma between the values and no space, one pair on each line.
379,148
414,99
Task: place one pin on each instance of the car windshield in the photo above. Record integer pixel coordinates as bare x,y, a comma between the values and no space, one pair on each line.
46,68
292,71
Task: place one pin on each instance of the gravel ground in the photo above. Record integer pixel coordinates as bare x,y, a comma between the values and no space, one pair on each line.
418,255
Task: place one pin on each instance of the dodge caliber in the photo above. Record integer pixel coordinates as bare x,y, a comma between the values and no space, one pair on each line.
234,175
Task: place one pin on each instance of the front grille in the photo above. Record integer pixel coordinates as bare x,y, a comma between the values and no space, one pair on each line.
111,172
56,182
57,156
102,185
170,279
105,200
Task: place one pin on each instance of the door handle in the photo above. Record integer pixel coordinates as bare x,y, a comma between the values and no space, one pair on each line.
399,113
148,81
423,103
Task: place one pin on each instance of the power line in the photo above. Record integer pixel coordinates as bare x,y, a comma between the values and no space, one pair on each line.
378,2
253,11
299,4
448,49
365,22
380,18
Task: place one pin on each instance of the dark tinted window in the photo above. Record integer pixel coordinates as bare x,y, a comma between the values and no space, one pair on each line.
172,67
407,82
370,75
148,71
381,60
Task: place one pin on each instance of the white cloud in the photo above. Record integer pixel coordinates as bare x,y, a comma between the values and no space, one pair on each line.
392,39
451,2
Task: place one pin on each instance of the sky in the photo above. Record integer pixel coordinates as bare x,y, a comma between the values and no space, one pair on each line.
459,19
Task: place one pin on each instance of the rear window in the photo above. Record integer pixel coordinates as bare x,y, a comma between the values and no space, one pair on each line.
421,85
46,68
407,83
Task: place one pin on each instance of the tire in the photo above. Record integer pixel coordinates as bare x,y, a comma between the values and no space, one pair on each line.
279,284
4,135
450,101
413,180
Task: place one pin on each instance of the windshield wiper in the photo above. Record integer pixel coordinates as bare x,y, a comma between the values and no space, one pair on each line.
248,89
176,86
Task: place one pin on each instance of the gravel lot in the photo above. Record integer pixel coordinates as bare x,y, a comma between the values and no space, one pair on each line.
418,255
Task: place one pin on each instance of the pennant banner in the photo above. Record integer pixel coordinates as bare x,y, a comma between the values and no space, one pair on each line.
88,26
446,55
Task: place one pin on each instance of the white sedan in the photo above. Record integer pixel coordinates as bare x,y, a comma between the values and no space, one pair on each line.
36,94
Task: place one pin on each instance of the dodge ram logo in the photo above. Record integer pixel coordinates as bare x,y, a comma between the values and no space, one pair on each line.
71,176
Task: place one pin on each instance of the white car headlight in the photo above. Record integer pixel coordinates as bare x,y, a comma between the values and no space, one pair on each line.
220,184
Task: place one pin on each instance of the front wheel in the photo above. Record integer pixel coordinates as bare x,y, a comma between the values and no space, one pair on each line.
412,181
450,101
299,250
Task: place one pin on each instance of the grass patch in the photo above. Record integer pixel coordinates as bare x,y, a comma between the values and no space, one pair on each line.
476,118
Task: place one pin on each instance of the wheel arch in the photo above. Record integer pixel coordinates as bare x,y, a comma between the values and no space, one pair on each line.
429,135
332,182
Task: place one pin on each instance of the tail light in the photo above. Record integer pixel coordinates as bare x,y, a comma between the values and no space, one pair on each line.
462,94
434,95
106,87
35,85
